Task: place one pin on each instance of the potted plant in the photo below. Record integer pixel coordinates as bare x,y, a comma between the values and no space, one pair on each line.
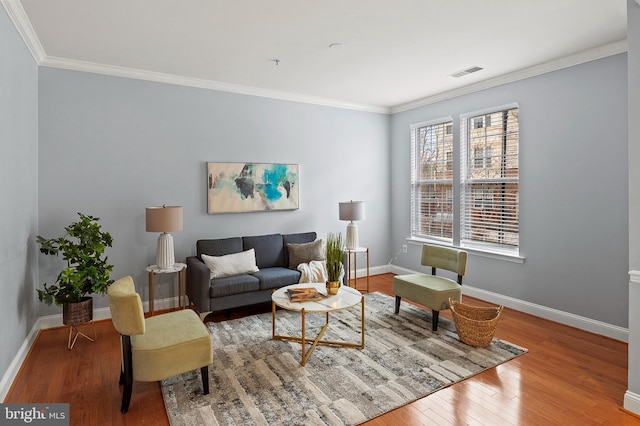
87,270
333,261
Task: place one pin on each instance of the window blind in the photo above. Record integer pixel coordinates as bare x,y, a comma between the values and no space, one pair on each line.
489,180
432,180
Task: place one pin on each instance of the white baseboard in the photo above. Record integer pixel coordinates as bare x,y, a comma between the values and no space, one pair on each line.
14,367
583,323
632,402
51,321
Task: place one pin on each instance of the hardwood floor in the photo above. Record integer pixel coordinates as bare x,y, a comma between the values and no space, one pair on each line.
569,377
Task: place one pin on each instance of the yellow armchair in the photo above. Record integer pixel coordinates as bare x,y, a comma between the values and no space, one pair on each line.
158,347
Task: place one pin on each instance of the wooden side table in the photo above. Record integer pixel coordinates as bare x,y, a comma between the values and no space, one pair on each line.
182,288
355,252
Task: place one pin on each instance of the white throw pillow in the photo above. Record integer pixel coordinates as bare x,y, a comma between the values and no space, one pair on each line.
231,264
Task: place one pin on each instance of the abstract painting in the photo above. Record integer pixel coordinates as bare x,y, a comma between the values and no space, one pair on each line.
251,187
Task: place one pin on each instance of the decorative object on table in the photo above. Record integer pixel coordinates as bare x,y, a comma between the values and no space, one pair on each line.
304,294
333,260
336,386
87,272
352,211
164,219
475,325
252,187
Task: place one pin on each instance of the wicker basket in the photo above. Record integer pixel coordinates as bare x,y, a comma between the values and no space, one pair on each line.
476,325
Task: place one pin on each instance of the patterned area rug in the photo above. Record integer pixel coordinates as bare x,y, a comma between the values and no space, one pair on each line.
258,381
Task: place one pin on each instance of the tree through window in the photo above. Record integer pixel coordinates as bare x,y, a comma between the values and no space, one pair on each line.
432,179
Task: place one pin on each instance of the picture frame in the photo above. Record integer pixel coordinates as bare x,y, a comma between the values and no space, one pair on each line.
252,187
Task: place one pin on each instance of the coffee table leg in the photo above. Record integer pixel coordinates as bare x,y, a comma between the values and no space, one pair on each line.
305,356
362,303
273,320
304,360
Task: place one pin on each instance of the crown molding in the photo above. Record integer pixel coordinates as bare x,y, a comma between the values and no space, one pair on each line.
23,26
95,68
20,20
566,62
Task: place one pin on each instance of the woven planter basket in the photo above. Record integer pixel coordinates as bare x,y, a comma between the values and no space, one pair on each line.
78,313
476,325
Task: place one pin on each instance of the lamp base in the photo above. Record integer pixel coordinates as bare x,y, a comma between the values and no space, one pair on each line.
165,255
352,236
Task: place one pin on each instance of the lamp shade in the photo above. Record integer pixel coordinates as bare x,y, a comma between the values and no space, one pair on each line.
351,210
164,219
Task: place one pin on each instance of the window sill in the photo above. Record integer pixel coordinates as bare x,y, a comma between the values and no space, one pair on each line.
491,254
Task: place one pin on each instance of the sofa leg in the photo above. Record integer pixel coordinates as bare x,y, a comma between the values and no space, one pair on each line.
434,320
204,372
398,298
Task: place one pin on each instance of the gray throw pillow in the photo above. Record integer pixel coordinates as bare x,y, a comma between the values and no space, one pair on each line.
305,253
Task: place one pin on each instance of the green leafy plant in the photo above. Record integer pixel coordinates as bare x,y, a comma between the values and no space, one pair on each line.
87,270
334,257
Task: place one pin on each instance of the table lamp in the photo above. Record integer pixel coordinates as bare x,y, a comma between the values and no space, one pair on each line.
164,219
352,211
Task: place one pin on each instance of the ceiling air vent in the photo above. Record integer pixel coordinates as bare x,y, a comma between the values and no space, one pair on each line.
466,71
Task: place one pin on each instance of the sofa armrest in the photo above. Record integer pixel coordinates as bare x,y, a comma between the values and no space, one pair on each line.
198,283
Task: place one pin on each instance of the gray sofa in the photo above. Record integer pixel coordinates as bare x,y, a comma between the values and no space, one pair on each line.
272,259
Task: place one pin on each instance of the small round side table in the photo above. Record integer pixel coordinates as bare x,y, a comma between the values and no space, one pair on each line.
182,288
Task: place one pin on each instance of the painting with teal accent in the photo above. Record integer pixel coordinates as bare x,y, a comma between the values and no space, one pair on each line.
252,187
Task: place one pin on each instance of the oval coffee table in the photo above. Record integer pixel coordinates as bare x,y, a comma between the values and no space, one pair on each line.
347,297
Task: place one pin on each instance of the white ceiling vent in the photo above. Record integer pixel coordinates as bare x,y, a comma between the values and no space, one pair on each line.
466,71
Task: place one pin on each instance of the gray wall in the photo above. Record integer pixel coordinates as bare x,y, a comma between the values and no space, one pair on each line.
111,147
633,36
18,190
573,189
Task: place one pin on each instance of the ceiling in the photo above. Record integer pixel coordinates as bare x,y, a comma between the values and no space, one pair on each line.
392,54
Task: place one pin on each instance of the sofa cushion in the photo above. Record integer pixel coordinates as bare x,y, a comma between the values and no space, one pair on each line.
231,264
304,253
233,285
276,277
219,247
302,237
269,250
299,238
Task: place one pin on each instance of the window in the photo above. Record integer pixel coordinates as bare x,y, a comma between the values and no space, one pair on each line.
489,211
486,197
432,179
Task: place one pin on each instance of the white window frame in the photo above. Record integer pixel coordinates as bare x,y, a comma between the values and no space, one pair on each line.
416,183
468,200
463,159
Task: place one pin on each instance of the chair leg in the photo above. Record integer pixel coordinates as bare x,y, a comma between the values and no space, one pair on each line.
127,373
204,372
434,320
398,298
